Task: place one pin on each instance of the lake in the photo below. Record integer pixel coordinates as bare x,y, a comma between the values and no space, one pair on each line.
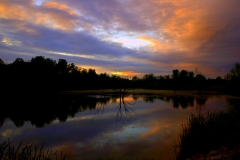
104,127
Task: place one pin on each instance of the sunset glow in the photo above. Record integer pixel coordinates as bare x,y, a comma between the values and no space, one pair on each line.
133,43
132,36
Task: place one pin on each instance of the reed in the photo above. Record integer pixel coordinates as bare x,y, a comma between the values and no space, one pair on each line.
27,152
207,131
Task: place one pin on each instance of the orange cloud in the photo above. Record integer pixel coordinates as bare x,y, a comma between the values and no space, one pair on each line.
179,12
201,69
60,7
156,44
184,25
38,15
177,31
9,11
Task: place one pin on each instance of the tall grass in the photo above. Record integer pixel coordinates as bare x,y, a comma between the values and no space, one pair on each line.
206,131
27,152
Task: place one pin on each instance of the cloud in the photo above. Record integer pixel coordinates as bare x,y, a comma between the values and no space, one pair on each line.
80,48
132,36
49,14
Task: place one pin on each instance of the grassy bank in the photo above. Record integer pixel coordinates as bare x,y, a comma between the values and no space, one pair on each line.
28,152
207,131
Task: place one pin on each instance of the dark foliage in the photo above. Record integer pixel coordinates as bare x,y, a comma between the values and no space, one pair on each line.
27,152
41,75
233,79
209,131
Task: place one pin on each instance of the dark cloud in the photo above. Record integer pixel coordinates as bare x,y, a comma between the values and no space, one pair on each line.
185,35
110,14
43,41
64,41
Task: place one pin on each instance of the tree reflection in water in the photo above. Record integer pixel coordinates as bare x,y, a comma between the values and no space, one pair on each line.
125,113
177,101
184,102
43,110
100,105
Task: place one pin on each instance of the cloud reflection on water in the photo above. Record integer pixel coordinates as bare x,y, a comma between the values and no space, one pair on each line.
156,125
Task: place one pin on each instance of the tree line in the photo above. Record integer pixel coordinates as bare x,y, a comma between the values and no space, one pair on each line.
42,74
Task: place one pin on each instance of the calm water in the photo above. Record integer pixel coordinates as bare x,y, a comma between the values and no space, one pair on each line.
110,127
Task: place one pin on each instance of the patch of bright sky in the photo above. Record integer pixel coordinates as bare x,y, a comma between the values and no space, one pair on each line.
10,42
132,42
78,29
38,2
74,55
128,40
117,73
100,32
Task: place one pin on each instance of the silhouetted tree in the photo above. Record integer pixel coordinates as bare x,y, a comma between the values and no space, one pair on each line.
18,70
104,81
183,79
233,78
92,78
200,82
2,76
120,83
190,79
175,78
62,67
149,80
42,74
136,82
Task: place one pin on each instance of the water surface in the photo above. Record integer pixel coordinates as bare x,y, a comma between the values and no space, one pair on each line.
95,127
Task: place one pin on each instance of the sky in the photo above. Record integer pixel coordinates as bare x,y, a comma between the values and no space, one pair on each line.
127,37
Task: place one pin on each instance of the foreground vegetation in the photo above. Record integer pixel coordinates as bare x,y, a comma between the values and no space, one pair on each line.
27,152
207,131
42,74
